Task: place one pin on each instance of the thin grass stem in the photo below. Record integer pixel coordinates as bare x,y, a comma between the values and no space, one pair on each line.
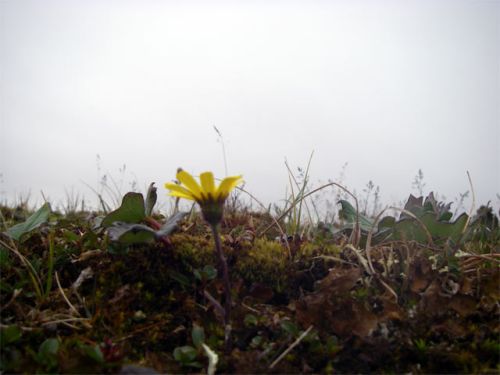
227,288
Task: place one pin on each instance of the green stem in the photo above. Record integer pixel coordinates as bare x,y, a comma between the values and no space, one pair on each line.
227,288
50,264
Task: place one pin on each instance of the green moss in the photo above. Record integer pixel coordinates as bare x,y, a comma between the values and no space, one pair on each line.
193,251
314,249
266,262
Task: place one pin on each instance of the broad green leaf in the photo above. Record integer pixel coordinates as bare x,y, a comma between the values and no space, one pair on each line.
256,341
150,199
348,213
386,223
410,229
289,328
9,335
171,224
198,335
131,211
441,231
250,320
130,233
207,273
49,347
446,216
34,221
94,352
47,353
185,354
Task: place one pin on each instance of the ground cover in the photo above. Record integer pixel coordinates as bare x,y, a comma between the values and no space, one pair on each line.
91,292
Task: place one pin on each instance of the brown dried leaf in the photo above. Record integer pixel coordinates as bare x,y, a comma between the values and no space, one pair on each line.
431,300
450,328
339,281
491,285
392,310
466,286
312,308
344,317
464,305
420,273
364,322
261,292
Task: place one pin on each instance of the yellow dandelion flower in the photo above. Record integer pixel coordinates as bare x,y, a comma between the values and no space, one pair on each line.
210,197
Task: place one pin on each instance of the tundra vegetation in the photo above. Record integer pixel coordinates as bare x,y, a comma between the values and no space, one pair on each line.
244,290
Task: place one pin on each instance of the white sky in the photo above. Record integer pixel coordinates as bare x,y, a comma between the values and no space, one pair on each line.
388,86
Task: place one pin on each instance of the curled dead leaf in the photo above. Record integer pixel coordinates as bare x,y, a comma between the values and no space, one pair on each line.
339,281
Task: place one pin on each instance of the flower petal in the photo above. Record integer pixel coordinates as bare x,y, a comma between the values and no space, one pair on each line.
225,187
207,182
190,183
178,194
179,191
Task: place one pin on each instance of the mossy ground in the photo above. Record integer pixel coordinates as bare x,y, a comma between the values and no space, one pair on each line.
421,311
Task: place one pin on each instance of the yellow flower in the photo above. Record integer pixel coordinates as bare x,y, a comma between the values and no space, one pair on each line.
211,198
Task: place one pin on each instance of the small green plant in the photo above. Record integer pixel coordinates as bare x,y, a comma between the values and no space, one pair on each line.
188,355
421,345
133,223
20,233
47,354
421,220
296,201
205,274
211,200
9,354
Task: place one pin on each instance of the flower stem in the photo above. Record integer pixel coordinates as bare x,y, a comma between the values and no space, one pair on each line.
227,288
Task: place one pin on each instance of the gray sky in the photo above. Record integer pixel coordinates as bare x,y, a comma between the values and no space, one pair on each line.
389,87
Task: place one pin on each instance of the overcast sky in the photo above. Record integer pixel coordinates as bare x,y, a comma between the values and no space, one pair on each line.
389,87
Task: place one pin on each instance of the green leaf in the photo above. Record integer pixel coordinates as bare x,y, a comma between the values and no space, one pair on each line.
47,353
256,341
170,224
70,236
409,229
348,213
198,335
131,211
34,221
207,273
386,223
130,233
250,320
446,216
151,198
9,335
94,352
49,347
185,354
289,328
